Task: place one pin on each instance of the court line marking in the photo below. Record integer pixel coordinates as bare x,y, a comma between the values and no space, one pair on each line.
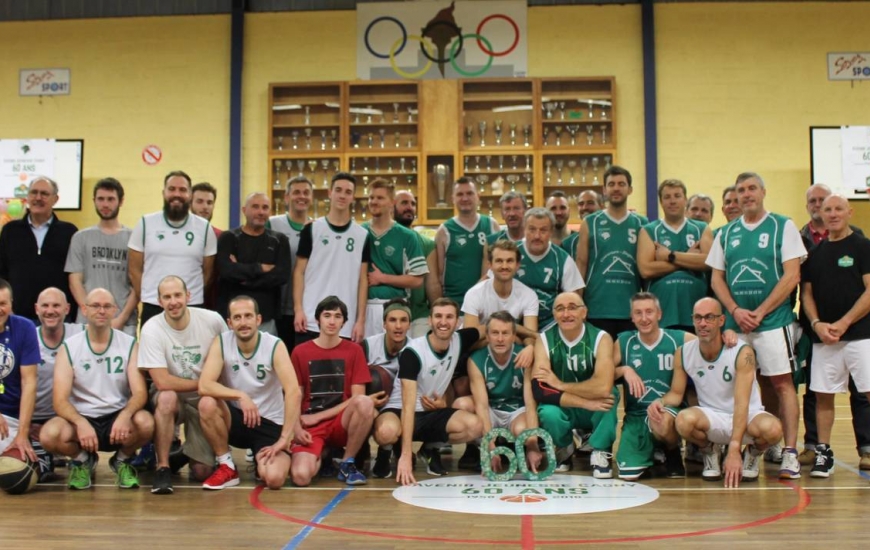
851,468
321,515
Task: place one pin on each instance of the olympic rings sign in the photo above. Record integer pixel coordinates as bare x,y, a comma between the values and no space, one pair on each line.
428,49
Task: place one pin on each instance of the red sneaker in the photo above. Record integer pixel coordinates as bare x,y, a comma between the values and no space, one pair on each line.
223,477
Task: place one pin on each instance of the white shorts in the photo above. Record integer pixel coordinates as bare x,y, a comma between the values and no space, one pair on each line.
832,365
722,424
774,350
375,317
419,327
13,433
504,419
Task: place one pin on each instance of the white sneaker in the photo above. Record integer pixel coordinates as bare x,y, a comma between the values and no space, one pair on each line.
773,453
564,462
600,462
712,463
790,467
750,463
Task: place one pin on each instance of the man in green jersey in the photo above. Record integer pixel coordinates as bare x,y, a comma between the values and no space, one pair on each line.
557,203
607,255
405,212
669,260
572,384
645,363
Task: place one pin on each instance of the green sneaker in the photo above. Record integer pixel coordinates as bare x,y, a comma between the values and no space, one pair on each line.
127,478
79,476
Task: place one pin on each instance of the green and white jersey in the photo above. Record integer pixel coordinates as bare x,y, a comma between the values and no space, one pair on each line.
654,364
100,384
611,274
396,252
548,275
283,224
464,254
419,302
714,380
254,375
572,361
751,255
173,250
44,408
504,382
501,235
677,291
569,244
375,349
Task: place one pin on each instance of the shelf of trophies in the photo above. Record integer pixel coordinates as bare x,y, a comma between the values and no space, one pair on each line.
497,113
401,170
498,174
574,173
318,167
384,115
583,108
305,117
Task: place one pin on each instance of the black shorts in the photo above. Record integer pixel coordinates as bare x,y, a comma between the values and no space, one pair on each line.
429,426
243,437
103,426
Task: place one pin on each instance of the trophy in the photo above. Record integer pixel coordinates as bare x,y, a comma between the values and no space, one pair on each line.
353,210
603,133
584,162
294,135
595,169
308,138
389,166
561,110
513,162
607,163
395,113
402,165
560,165
366,165
410,181
558,130
440,173
527,134
465,165
410,142
414,165
371,140
312,167
382,132
363,208
589,135
323,140
528,178
513,179
397,139
377,165
549,164
337,165
300,165
550,107
572,131
603,111
469,135
365,186
410,114
513,134
591,108
498,132
325,165
289,166
481,126
528,163
546,135
488,163
307,115
572,164
489,203
280,143
369,114
334,134
477,163
482,179
277,184
356,116
501,163
383,118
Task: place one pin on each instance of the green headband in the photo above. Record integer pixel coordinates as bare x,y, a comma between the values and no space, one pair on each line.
396,306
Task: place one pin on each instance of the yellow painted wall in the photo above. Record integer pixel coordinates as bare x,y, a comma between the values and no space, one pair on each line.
160,80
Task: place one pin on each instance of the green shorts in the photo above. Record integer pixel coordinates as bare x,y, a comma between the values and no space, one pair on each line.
637,443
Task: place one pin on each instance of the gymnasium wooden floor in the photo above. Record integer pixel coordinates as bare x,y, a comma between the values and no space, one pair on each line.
688,513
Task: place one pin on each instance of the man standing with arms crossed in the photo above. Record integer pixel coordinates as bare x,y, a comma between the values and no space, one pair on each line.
756,266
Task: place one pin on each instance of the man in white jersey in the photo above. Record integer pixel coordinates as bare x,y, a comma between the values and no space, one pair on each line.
171,242
333,258
172,349
426,367
297,201
729,410
98,396
398,265
51,310
250,398
97,258
383,350
756,267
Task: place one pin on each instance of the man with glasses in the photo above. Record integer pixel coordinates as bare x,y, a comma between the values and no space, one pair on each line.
33,249
729,410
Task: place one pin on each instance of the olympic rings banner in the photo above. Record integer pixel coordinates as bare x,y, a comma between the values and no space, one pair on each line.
440,39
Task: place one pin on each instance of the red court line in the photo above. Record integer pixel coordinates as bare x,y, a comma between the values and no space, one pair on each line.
527,533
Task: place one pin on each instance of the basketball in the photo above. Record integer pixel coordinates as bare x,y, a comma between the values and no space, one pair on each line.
382,380
17,474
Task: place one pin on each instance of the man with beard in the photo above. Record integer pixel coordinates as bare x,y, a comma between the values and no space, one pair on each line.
98,258
297,201
557,203
397,265
405,212
589,202
171,242
255,261
33,250
700,208
607,255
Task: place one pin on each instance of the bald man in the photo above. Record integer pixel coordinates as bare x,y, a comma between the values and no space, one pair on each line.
254,261
99,395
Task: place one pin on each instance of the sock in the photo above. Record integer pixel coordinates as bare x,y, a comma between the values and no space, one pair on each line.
122,456
227,459
81,457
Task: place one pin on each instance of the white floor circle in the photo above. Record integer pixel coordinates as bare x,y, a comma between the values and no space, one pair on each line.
559,494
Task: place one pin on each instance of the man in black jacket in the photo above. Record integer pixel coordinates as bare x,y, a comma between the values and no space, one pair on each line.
255,261
33,249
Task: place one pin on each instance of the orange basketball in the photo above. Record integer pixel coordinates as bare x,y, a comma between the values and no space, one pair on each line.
382,380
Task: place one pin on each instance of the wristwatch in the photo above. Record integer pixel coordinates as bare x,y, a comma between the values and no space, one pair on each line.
672,257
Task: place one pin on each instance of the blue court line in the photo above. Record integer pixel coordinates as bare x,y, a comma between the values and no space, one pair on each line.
321,515
845,466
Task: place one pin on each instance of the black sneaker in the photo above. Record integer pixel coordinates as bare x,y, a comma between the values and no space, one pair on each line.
824,465
382,468
674,468
363,455
470,459
177,458
433,462
162,482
